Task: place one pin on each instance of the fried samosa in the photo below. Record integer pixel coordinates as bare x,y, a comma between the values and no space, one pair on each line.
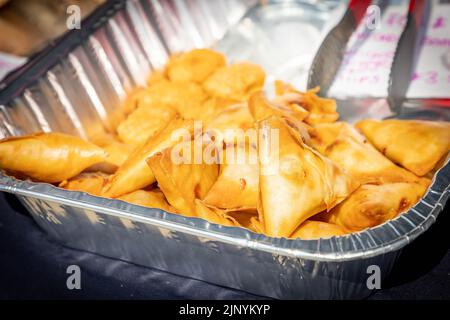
180,178
256,225
243,218
213,215
261,108
320,109
89,182
48,157
311,230
185,97
230,126
371,205
237,81
135,174
136,98
116,150
247,219
237,185
213,107
293,114
118,153
348,149
152,199
416,145
195,65
103,139
157,76
296,182
144,122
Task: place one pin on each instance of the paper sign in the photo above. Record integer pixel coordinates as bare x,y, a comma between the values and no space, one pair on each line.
431,78
367,62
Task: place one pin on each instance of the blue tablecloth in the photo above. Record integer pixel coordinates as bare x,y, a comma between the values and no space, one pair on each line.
33,266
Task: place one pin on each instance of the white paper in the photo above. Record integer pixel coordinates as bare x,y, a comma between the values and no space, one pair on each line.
432,75
367,61
365,69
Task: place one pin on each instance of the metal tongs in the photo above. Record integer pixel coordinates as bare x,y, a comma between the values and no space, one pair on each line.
407,53
329,57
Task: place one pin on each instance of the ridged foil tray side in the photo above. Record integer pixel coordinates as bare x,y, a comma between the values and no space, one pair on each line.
79,93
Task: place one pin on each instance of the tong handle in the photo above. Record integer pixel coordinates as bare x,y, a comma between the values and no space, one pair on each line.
329,56
407,52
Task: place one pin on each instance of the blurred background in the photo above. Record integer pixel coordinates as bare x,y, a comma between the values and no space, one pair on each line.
26,26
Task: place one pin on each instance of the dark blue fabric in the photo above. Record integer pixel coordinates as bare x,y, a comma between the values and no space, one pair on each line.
33,266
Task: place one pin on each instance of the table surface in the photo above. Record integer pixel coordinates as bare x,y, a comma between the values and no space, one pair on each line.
33,266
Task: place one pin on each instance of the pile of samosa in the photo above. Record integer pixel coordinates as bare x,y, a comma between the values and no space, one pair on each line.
325,177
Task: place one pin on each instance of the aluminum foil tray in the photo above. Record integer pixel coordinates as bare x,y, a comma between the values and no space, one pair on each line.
75,85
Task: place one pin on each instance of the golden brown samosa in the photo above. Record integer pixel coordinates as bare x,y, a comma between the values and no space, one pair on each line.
311,230
180,178
237,81
237,186
348,149
135,174
371,205
195,65
214,106
416,145
320,109
247,219
117,150
261,108
256,225
213,215
230,125
243,218
144,122
296,182
89,182
117,153
103,139
185,97
134,99
152,199
157,76
48,157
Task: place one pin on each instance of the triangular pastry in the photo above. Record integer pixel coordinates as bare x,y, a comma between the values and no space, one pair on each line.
135,174
296,182
89,182
237,81
311,230
416,145
319,109
348,149
180,178
237,186
144,122
152,199
371,205
195,65
49,157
